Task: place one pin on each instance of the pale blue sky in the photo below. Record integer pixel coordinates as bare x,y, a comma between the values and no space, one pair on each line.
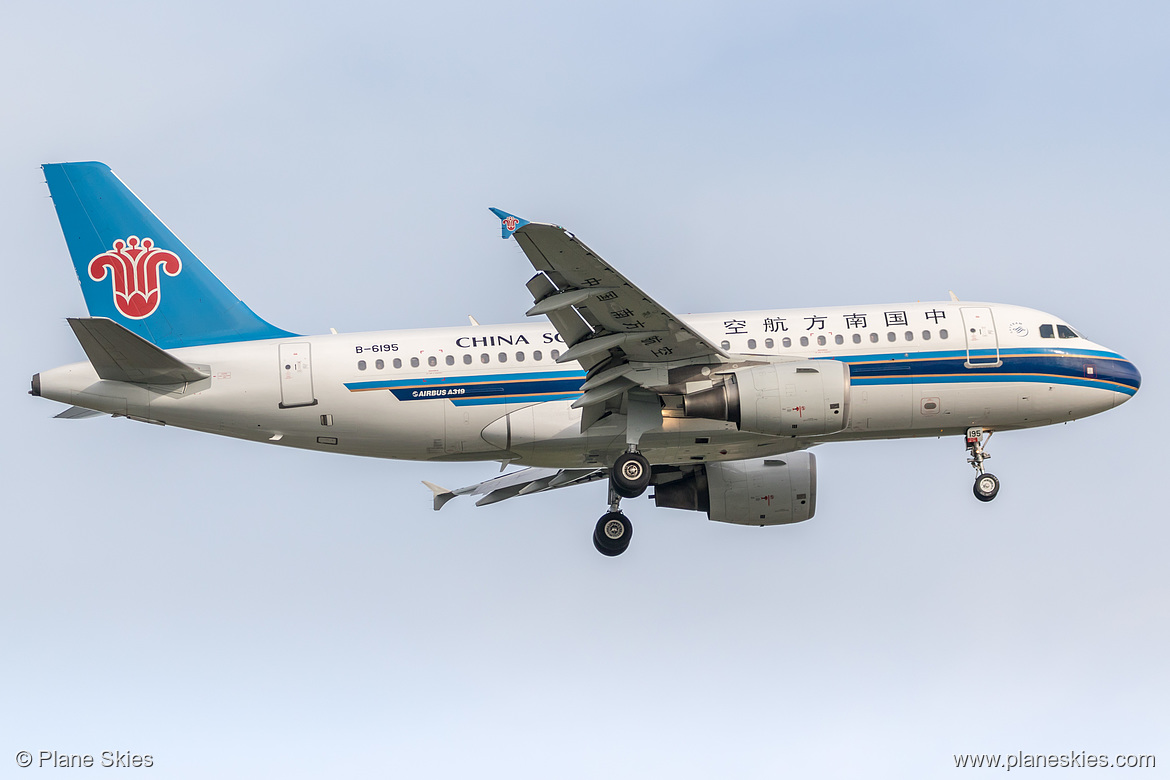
237,610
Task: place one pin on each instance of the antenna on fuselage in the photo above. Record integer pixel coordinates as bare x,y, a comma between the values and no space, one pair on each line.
954,297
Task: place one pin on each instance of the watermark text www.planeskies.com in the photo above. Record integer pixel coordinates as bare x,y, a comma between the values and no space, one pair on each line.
107,758
1070,760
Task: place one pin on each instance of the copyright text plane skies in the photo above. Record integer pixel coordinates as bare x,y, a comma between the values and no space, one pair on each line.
718,411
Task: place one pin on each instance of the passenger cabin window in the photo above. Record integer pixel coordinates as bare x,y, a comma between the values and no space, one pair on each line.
891,336
379,364
873,337
769,344
926,335
787,342
942,334
751,343
839,339
398,362
856,338
1046,332
537,355
450,360
484,358
519,357
1065,332
556,353
725,344
804,341
821,341
467,360
909,335
503,356
361,365
414,362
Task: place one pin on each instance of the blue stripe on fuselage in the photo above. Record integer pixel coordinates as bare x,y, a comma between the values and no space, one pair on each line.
1084,368
482,389
1109,371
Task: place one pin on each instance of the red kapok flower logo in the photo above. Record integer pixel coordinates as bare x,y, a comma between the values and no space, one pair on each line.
135,265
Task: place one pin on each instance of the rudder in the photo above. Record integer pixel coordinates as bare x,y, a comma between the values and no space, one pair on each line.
136,272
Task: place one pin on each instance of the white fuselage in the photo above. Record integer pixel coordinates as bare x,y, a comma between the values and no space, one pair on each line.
497,392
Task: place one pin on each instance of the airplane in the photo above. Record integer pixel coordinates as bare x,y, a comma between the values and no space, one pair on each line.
716,412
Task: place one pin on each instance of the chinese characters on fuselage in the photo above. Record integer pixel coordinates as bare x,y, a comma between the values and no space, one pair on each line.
852,321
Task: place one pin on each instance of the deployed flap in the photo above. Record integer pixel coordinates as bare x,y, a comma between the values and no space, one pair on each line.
122,356
517,483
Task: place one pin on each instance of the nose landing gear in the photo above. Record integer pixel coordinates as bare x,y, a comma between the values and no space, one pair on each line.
986,485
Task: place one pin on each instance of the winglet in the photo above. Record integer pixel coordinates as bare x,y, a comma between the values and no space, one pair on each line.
509,223
442,494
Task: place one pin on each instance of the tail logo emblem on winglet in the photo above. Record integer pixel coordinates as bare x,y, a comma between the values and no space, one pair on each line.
510,223
135,266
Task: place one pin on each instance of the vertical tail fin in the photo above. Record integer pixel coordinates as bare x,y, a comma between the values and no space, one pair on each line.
136,272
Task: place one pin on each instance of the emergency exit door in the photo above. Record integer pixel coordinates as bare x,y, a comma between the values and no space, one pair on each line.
296,376
982,342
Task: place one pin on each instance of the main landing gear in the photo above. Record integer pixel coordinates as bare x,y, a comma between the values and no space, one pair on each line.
629,478
631,474
986,485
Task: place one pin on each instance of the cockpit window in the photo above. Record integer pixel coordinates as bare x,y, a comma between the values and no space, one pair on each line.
1046,332
1065,332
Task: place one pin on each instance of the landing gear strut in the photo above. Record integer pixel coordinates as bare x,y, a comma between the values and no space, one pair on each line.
986,485
628,479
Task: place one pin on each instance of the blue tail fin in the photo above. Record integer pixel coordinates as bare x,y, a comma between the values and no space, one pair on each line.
135,271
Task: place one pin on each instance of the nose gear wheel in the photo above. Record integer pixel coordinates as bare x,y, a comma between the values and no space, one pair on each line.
986,485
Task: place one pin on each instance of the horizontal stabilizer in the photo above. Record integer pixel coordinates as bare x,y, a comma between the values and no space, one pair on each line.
122,356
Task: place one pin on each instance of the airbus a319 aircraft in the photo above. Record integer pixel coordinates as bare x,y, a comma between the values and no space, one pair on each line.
717,411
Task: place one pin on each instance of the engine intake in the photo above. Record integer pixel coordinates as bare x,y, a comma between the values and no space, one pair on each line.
801,398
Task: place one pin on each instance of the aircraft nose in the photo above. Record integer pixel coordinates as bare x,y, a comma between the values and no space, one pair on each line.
1129,377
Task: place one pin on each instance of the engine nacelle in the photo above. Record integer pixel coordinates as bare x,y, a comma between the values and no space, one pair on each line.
800,398
766,491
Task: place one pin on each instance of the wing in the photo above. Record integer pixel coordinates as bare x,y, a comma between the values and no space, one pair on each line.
518,483
612,328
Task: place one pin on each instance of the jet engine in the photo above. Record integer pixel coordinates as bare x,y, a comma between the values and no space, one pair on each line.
800,398
766,491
